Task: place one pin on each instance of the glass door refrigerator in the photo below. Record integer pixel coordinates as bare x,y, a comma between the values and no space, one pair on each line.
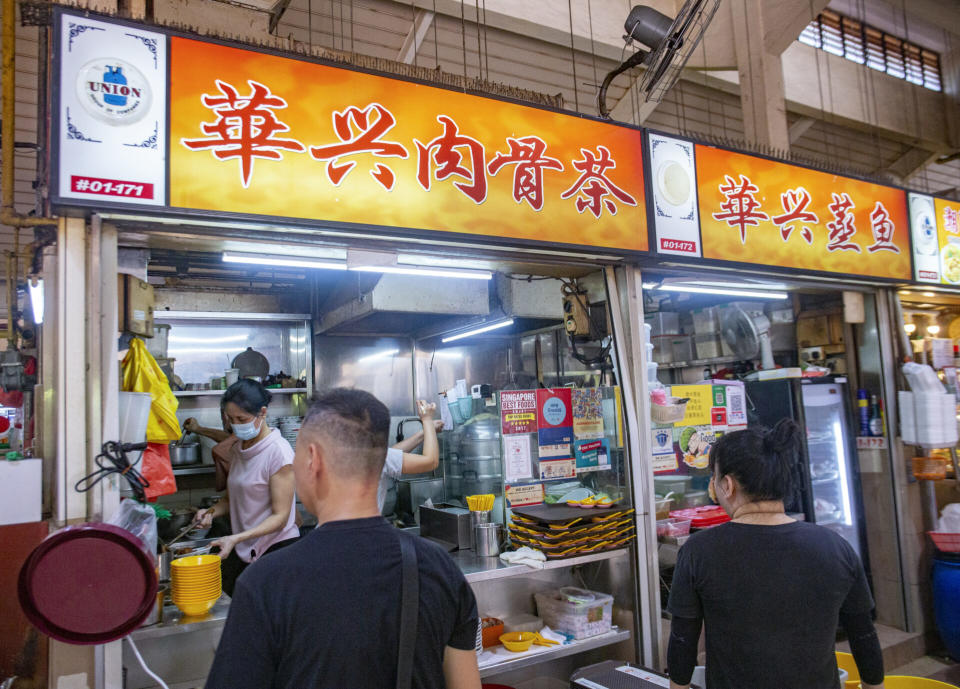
827,476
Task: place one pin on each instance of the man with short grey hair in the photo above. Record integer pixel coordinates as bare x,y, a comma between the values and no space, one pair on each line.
356,602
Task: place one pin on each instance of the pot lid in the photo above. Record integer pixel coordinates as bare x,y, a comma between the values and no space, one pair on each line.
481,427
88,584
252,363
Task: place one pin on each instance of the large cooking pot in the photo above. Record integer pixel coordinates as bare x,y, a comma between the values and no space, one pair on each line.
481,484
187,453
457,469
479,439
169,527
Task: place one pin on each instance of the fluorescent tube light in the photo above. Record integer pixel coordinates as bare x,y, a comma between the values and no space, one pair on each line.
305,262
35,287
180,339
285,261
477,331
725,291
429,272
379,355
648,285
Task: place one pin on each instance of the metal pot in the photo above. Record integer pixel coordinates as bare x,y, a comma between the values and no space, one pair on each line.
488,467
170,527
187,453
479,439
482,484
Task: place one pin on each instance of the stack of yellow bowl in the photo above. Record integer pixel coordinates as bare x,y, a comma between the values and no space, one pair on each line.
195,583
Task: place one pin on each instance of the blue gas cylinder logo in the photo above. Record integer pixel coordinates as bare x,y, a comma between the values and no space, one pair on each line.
114,91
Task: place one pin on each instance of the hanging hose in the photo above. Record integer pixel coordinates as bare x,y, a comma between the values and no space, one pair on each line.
633,61
136,652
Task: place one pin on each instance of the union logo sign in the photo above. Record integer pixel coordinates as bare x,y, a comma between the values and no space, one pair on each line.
113,91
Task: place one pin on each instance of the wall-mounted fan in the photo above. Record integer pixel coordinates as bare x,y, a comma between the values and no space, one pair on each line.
748,334
670,43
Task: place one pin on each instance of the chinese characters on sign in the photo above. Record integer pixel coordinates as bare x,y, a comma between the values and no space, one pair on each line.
246,125
756,210
262,134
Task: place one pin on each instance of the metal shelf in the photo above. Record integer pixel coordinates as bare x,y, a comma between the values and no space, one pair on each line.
699,362
477,569
528,659
192,470
219,393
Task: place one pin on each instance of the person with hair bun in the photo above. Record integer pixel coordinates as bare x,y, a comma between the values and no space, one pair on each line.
260,486
768,590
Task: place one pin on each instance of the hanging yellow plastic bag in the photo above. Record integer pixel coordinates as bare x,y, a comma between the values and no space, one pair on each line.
141,373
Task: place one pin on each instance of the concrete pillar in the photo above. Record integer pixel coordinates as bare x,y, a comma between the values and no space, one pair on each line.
761,77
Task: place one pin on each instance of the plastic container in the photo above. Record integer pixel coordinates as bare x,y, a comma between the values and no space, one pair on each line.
705,321
672,527
157,345
946,542
577,612
677,485
492,629
668,413
652,367
663,349
946,600
708,346
663,323
702,517
663,507
682,346
134,414
696,498
524,622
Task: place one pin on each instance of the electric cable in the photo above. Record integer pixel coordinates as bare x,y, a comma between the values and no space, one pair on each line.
113,460
153,676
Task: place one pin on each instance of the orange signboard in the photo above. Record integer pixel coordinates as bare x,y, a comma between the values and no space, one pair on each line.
260,134
756,210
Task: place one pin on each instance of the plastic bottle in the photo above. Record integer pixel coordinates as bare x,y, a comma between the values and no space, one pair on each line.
863,410
875,422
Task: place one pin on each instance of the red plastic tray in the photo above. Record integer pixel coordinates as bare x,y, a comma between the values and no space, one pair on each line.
702,517
88,584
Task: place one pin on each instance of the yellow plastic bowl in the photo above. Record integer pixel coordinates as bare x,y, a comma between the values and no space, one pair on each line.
195,608
518,641
195,561
905,682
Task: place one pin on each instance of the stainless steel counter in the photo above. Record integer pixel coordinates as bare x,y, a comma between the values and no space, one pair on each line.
175,622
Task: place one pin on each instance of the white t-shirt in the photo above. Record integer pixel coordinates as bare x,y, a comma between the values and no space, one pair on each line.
392,469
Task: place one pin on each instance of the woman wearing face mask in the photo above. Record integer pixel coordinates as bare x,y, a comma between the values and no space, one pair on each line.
260,487
768,590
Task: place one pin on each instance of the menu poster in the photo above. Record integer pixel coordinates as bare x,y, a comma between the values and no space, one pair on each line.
587,412
675,215
554,418
516,457
948,229
520,496
592,455
518,411
699,405
695,443
557,468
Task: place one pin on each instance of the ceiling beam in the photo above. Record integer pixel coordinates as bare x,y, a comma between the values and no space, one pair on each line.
422,19
799,128
912,160
784,20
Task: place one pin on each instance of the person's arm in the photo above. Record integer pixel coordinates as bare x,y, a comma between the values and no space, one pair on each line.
460,670
191,425
411,443
204,518
245,655
682,650
685,606
281,502
865,647
430,458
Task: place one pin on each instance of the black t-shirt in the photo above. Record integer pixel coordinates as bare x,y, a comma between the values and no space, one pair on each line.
324,613
770,598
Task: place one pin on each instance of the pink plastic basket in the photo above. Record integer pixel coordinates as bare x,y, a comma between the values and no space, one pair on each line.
946,542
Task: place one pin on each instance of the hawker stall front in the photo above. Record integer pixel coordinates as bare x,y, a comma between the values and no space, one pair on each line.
230,213
771,299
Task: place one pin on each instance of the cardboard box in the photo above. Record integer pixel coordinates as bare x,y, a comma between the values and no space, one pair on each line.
813,331
136,304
